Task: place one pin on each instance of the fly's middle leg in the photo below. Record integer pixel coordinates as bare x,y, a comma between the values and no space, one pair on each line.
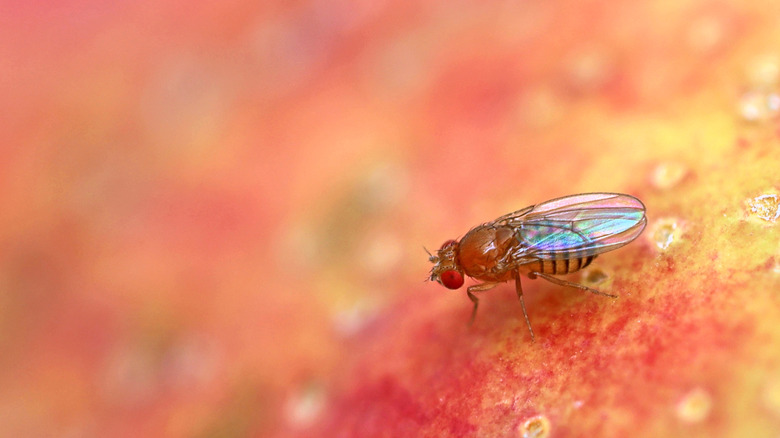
519,289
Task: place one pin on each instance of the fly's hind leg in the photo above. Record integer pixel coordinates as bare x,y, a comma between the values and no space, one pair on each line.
477,288
519,289
560,282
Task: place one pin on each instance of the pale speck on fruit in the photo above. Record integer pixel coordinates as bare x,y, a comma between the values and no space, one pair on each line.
383,187
665,232
351,320
759,105
770,396
705,33
381,254
535,427
130,377
695,406
763,71
595,276
541,108
305,406
589,69
298,248
766,207
668,174
776,267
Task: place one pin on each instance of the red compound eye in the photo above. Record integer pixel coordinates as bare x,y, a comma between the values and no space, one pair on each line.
447,244
451,279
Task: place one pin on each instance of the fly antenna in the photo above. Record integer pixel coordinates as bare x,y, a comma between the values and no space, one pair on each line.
431,258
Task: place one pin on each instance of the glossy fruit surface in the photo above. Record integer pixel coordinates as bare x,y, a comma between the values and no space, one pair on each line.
213,217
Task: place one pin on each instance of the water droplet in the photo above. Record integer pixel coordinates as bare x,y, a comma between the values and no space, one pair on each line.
694,406
535,427
667,175
766,207
759,105
664,232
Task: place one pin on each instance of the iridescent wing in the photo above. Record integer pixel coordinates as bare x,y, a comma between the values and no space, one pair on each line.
577,226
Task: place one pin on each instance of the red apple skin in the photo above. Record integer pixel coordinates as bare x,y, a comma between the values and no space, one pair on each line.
213,218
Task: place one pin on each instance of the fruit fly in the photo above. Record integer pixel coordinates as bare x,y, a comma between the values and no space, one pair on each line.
556,237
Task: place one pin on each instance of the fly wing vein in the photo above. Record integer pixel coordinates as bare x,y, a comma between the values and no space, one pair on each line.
548,238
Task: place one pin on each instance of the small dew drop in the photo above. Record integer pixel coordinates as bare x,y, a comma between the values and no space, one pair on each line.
535,427
667,175
665,232
694,406
304,407
766,207
759,105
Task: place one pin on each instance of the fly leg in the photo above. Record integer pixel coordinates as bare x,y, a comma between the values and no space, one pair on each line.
519,289
560,282
477,288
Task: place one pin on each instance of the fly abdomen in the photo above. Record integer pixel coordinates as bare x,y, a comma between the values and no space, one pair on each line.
561,266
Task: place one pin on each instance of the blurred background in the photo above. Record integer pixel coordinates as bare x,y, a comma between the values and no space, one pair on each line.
210,209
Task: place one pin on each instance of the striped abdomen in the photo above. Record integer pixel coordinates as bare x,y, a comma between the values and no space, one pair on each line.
559,266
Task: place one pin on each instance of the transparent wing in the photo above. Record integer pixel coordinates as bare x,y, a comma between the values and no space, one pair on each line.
578,225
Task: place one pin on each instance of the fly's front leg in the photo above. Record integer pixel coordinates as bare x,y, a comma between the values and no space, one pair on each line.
519,289
560,282
477,288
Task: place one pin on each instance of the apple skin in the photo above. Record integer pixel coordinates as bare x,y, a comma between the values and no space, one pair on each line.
214,218
689,347
668,354
681,352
